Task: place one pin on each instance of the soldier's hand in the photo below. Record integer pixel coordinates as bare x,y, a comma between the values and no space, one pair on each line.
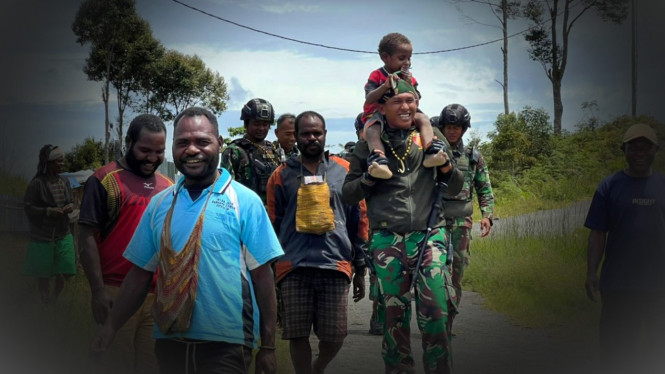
485,227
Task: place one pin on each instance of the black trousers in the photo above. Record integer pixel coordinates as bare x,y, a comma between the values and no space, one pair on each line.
632,332
187,356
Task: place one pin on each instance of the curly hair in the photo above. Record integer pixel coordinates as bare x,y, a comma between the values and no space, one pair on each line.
390,42
149,122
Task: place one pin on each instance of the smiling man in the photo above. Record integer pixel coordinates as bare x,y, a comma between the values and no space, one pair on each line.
251,159
398,210
627,223
114,199
211,243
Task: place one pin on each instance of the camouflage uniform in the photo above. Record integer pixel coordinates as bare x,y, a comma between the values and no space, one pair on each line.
459,209
250,164
282,154
397,215
395,255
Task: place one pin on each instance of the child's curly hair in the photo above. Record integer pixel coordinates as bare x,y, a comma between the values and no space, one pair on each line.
390,42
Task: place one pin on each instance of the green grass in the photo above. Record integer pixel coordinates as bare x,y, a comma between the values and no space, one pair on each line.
56,338
12,184
536,281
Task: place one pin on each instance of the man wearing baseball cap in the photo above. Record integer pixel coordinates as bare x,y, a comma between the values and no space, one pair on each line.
627,223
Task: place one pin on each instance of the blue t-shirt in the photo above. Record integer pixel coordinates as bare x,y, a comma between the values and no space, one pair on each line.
632,212
237,237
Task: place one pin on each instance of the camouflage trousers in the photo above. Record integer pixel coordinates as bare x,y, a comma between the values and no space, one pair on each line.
377,300
395,257
459,234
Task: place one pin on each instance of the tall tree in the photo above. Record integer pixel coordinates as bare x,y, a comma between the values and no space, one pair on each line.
131,64
552,22
180,81
107,26
141,54
503,10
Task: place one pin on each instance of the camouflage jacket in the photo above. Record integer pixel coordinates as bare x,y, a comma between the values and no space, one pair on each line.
282,154
251,164
476,176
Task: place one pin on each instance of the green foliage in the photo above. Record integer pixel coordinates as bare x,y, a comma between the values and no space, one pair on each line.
519,140
88,155
62,332
181,81
146,77
110,27
537,280
533,169
12,184
234,132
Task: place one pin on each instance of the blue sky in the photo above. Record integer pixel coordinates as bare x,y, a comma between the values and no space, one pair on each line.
47,99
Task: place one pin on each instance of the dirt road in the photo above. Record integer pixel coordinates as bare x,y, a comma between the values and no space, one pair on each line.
484,343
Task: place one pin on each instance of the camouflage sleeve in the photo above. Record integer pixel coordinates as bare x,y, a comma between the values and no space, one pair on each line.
483,187
231,159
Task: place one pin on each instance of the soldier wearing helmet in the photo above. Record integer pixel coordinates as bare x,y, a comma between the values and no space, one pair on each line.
453,122
251,159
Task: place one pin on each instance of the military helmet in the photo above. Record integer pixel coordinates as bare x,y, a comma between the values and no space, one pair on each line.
258,109
455,114
434,121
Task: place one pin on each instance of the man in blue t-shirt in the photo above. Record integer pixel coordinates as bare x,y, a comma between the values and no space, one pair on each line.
627,222
212,243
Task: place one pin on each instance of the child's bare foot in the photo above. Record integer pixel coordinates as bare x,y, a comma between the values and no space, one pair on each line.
434,156
377,165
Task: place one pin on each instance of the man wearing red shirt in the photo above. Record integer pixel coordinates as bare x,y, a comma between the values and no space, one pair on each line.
114,199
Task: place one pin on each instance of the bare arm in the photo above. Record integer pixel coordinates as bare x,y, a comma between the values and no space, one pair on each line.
130,297
101,302
264,288
373,96
595,250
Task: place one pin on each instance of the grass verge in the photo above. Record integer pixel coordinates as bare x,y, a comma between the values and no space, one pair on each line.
536,281
53,339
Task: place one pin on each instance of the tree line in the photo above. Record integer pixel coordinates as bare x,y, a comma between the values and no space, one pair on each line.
532,167
144,75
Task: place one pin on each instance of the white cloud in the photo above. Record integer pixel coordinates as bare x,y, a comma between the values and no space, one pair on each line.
291,7
294,82
274,6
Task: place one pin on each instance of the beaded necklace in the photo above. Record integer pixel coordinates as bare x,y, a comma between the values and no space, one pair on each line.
264,150
409,143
